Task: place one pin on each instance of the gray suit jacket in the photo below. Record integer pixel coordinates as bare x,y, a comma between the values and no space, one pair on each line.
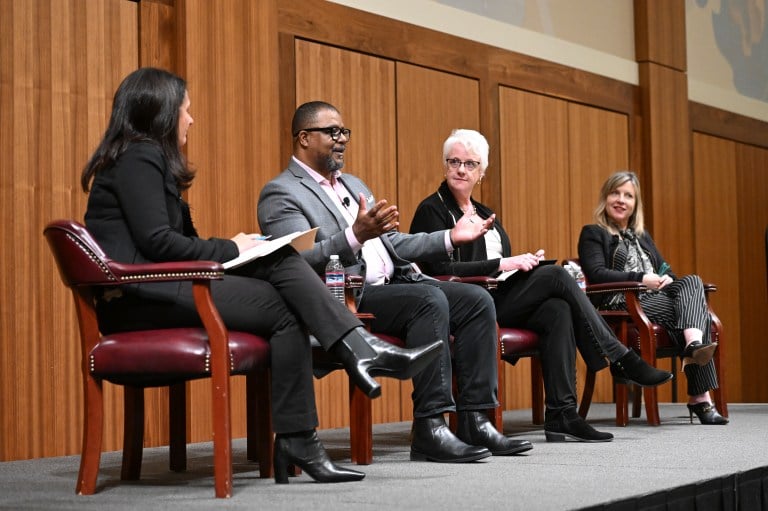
293,201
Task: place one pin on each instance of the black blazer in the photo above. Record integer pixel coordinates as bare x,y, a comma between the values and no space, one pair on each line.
441,211
137,215
601,262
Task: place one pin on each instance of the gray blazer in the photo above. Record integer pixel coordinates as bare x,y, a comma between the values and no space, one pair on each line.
293,201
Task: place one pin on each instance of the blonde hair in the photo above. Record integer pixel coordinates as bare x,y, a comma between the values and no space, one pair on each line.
636,221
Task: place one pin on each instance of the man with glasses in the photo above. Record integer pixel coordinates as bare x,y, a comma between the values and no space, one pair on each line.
312,192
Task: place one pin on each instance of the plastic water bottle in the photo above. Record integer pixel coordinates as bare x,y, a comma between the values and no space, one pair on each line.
581,280
334,278
575,271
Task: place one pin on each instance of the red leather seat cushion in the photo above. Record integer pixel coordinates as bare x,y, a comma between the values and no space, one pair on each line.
160,357
517,342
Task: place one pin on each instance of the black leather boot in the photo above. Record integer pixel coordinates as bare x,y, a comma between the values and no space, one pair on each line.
567,423
476,429
306,452
631,369
433,441
364,356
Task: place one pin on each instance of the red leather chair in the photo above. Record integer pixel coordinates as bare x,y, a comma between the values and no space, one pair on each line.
652,341
164,357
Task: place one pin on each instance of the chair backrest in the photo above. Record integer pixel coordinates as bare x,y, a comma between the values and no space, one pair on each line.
80,259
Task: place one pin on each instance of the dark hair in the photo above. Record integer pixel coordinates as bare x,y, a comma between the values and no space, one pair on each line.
306,114
145,109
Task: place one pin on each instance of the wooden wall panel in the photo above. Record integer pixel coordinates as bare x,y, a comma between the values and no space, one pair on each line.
534,181
717,242
667,176
598,145
752,175
430,104
60,63
234,141
365,97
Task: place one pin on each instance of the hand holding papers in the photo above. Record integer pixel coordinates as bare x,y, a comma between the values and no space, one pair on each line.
301,240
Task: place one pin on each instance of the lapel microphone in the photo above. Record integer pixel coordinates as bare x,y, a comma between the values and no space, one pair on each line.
345,201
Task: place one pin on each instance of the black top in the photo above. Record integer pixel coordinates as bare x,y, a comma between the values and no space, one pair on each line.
441,211
137,215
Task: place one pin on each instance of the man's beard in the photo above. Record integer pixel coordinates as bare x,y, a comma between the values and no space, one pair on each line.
332,165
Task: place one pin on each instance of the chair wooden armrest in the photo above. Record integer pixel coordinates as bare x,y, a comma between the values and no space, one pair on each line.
488,283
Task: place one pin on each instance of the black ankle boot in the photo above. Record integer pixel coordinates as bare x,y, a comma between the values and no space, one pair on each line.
631,369
433,441
476,429
706,413
306,452
364,356
568,423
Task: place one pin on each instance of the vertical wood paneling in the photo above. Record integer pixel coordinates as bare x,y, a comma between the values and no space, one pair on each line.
598,145
60,63
365,98
717,242
429,105
752,175
660,32
534,180
667,179
234,141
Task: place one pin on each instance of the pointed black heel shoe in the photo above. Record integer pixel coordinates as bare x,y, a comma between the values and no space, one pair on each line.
305,451
364,356
698,353
707,414
631,369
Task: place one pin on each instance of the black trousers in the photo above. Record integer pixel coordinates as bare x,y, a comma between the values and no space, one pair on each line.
279,297
423,312
548,301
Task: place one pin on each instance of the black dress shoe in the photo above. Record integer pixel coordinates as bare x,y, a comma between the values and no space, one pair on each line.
707,414
433,441
364,356
569,424
698,353
631,369
306,452
476,429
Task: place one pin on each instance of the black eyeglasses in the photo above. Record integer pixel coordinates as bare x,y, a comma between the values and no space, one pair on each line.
332,131
455,163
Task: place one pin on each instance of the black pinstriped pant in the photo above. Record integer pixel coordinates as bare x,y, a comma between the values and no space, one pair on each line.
678,306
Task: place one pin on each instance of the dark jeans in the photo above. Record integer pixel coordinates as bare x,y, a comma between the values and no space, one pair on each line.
426,311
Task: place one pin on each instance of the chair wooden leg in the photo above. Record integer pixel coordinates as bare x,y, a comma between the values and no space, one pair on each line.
360,426
537,392
721,403
496,415
93,433
637,400
620,393
586,397
177,426
259,422
133,432
651,405
716,327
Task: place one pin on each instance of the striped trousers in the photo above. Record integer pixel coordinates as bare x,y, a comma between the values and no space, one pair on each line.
678,306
